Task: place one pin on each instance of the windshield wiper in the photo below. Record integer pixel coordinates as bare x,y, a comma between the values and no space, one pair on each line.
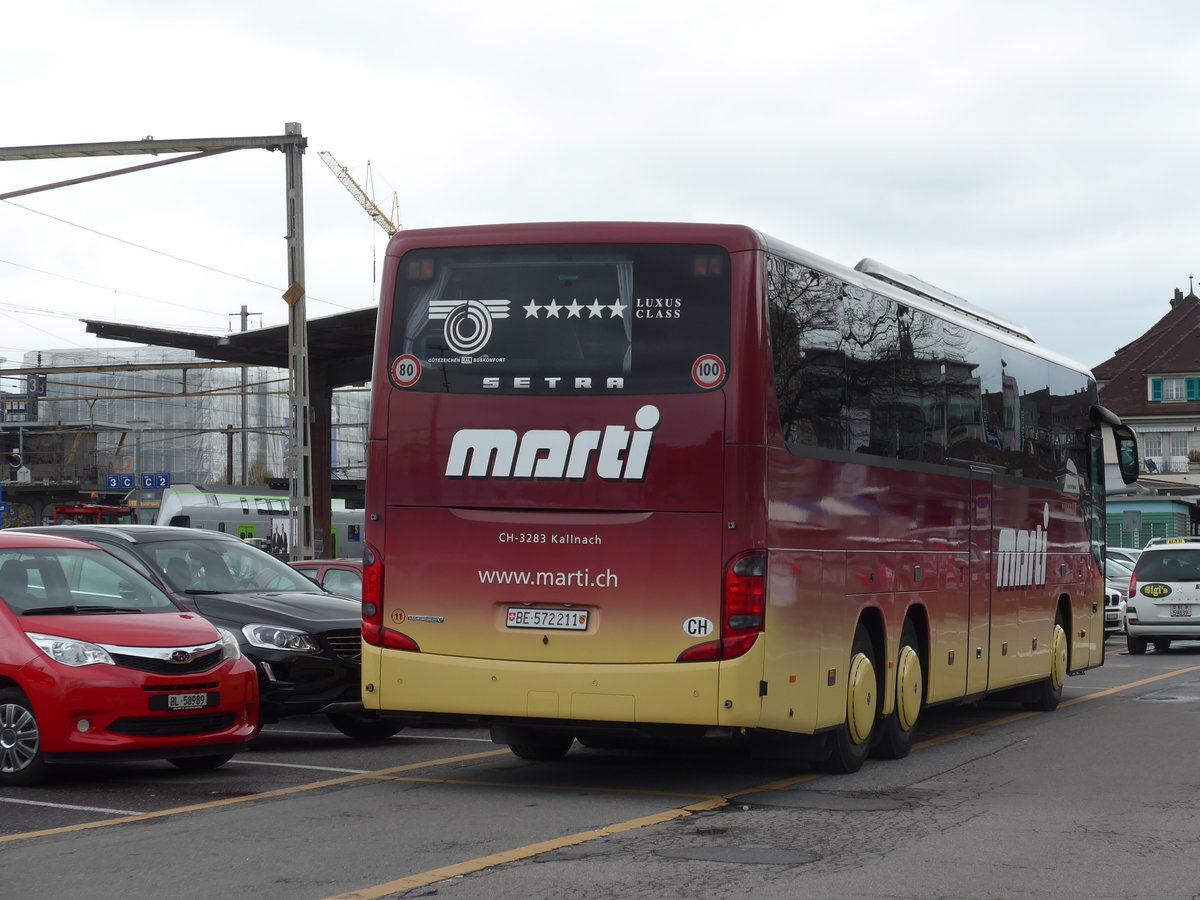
76,609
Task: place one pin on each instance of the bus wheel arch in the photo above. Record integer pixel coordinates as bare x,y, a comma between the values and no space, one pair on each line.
1048,692
850,743
897,731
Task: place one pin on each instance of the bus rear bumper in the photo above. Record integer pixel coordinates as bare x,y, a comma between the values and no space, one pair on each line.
691,694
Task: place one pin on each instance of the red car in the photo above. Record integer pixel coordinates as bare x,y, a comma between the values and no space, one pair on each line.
97,664
340,576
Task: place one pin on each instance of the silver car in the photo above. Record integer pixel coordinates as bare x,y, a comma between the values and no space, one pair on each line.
1164,595
1125,555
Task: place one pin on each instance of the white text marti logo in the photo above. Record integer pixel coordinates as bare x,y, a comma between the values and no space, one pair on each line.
615,454
1021,555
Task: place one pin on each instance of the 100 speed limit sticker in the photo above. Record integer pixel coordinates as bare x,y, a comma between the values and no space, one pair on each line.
708,371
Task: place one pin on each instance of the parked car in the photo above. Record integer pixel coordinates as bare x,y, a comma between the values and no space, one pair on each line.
341,576
1117,575
1116,583
1164,595
305,642
1125,555
1114,611
98,663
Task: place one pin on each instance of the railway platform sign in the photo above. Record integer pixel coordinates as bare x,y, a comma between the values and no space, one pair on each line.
147,481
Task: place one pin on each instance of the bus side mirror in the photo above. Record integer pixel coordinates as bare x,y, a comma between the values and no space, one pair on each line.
1127,453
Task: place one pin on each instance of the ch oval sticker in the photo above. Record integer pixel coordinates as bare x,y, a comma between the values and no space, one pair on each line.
698,626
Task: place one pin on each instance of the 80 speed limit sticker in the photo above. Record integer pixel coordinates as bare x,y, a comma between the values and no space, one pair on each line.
708,371
406,370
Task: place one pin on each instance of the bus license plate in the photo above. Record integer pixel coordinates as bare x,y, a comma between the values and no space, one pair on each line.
1180,611
527,617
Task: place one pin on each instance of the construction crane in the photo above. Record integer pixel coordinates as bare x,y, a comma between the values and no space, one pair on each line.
360,195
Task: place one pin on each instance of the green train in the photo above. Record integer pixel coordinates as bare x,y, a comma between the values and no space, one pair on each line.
257,514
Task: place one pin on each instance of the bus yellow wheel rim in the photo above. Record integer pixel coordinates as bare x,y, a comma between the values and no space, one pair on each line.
908,688
860,700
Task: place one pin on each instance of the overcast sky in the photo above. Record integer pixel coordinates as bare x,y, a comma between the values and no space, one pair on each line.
1040,159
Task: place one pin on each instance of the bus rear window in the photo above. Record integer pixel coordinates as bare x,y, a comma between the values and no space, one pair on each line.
562,319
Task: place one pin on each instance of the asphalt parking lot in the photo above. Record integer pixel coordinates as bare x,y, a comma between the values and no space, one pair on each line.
309,813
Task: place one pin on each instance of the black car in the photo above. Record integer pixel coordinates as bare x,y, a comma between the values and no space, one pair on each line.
304,641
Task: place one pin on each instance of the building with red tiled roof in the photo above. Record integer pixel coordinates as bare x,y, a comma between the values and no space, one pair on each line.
1153,384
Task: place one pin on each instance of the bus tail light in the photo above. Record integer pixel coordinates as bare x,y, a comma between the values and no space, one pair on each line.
743,610
1132,585
372,607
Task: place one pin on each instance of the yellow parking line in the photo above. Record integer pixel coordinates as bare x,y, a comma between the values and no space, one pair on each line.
467,867
506,856
230,801
1108,692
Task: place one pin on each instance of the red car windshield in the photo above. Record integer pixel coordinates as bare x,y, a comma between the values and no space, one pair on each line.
69,581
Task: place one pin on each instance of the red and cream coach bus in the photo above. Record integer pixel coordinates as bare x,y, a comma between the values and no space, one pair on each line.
689,480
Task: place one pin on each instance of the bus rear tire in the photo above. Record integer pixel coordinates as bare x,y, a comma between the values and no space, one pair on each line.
1049,692
897,731
851,741
1162,645
1135,645
536,744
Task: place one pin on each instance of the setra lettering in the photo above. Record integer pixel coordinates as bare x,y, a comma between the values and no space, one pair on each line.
553,383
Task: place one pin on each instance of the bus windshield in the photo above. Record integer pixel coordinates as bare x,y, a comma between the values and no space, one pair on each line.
583,318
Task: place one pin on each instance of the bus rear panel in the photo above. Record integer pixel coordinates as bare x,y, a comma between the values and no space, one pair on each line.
554,447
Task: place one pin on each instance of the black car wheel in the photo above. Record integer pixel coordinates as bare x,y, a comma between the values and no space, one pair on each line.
364,726
21,759
201,763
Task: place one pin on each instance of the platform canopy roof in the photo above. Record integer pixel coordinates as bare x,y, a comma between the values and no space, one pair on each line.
339,346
